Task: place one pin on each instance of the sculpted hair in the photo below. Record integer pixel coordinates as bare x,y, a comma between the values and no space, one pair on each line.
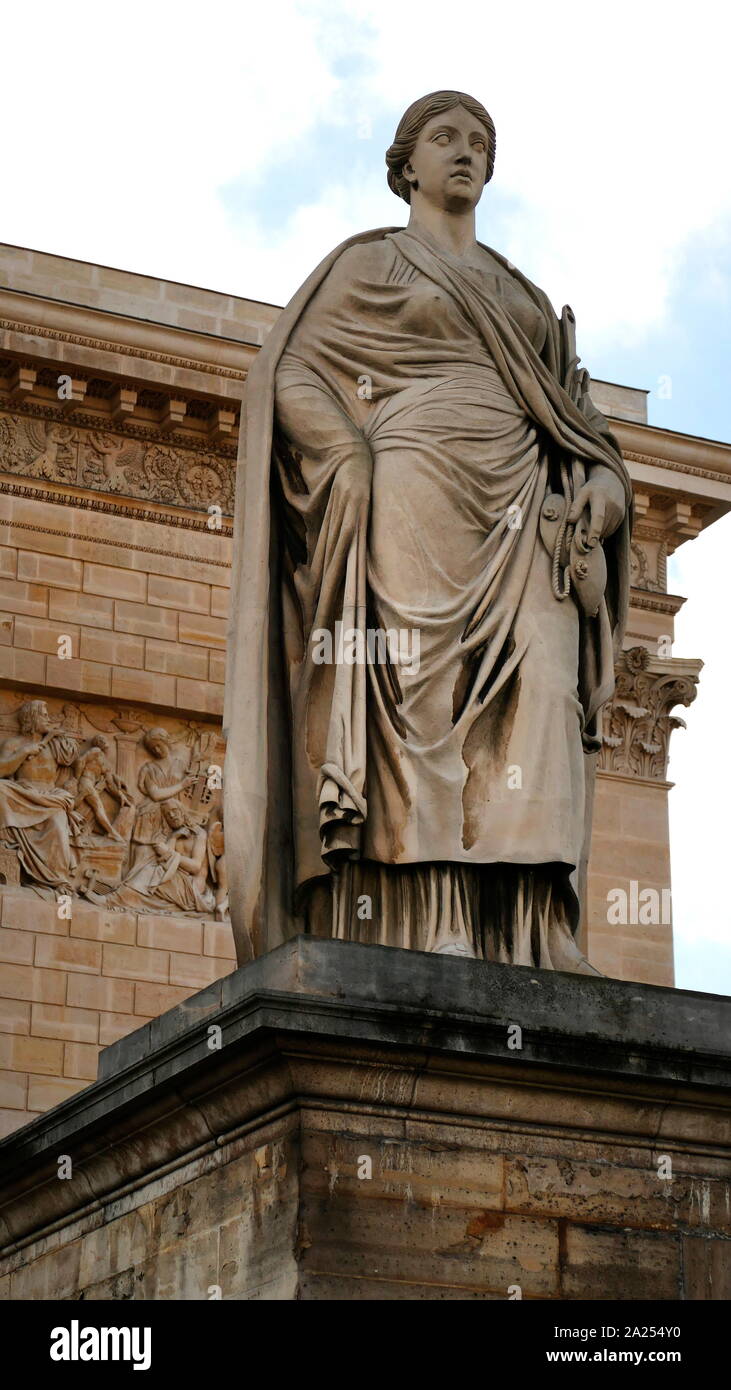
155,735
29,714
411,125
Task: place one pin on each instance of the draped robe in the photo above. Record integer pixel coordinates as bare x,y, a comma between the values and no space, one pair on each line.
37,817
402,426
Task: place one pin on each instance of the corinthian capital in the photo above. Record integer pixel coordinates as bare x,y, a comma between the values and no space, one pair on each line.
637,721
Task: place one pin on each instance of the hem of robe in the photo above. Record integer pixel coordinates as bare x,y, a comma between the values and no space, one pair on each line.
507,913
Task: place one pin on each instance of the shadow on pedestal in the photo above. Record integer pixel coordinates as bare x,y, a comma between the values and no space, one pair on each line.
338,1121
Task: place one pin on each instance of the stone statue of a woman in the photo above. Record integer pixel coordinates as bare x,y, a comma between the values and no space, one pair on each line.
421,461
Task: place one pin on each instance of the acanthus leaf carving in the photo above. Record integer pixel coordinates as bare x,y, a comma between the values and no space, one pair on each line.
637,720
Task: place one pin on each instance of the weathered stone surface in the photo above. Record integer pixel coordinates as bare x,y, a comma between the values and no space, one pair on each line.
706,1268
364,1132
621,1264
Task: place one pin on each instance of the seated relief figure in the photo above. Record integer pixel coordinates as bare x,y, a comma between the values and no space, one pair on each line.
37,816
58,791
421,457
174,868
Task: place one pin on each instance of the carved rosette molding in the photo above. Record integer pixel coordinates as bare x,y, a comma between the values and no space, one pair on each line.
104,461
637,722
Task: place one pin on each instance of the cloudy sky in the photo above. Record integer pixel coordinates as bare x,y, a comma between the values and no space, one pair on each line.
232,145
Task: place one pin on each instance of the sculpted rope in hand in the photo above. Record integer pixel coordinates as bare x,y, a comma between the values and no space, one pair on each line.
471,494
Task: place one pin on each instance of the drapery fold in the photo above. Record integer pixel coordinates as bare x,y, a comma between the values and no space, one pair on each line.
266,821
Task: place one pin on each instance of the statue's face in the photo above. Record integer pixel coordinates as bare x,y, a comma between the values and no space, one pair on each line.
157,747
449,161
41,720
174,817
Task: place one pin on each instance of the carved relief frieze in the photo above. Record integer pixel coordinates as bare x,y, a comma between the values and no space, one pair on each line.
637,722
97,802
103,461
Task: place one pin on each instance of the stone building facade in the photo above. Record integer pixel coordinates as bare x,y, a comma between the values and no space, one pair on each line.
119,409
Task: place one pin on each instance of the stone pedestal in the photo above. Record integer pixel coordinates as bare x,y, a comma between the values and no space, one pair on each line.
337,1121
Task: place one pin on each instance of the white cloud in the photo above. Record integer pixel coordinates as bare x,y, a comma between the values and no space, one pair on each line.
126,126
612,126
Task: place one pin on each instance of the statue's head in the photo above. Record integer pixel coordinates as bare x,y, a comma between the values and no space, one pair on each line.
33,717
444,149
157,742
174,813
100,742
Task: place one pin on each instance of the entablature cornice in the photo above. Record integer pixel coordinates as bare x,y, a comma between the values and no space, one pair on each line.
656,602
99,402
33,328
681,487
671,449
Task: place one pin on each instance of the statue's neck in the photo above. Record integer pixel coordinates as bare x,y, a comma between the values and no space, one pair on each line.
453,232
